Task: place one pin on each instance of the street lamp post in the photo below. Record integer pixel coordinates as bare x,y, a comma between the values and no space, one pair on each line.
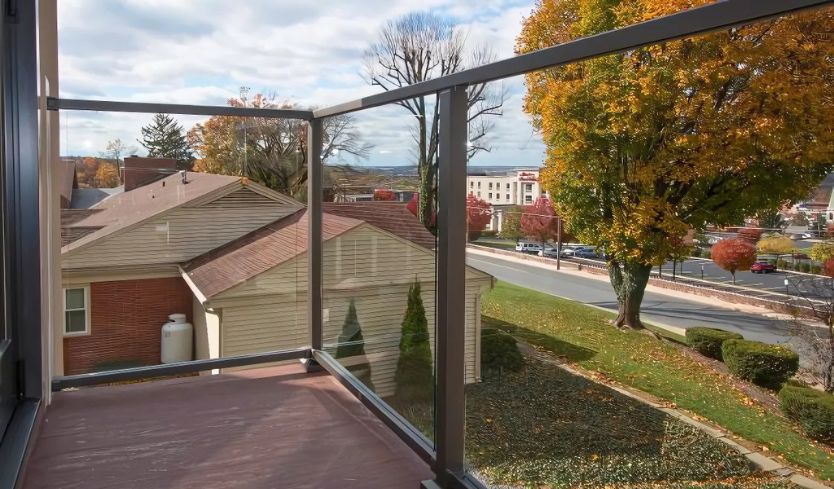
702,271
558,244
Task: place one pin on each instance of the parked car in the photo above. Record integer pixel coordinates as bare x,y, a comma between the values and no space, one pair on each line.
763,267
531,248
587,253
571,251
548,252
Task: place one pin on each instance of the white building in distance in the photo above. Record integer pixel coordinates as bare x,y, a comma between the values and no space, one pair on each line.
505,189
515,187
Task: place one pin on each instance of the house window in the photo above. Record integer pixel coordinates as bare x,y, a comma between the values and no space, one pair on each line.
479,184
490,185
528,187
76,311
508,186
490,194
508,196
479,194
471,184
528,199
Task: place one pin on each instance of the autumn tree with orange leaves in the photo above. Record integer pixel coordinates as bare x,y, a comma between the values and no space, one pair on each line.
733,255
270,151
645,145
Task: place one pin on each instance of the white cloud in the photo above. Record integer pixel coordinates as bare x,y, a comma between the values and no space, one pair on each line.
200,52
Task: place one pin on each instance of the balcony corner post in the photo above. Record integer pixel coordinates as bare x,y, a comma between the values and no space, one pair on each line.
451,285
314,236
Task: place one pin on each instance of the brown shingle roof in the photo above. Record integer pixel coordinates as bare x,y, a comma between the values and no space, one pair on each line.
259,251
128,208
70,231
393,217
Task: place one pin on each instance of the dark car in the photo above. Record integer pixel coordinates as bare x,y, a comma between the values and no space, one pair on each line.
763,267
586,253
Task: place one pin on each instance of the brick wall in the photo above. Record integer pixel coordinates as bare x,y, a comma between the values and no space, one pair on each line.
126,318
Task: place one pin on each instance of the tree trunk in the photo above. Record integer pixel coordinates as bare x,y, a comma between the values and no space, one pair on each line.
426,205
630,285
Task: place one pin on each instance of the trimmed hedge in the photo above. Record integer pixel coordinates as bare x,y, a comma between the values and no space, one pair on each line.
499,352
763,364
812,409
708,341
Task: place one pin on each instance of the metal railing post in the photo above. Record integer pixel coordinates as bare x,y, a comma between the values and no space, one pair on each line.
451,284
314,235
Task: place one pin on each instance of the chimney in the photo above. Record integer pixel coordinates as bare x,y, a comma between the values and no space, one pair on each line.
141,171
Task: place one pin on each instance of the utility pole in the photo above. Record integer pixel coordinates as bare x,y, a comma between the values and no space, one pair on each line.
558,243
244,92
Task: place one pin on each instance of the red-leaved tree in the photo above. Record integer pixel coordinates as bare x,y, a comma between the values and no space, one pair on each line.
478,215
828,267
413,207
383,194
734,254
539,221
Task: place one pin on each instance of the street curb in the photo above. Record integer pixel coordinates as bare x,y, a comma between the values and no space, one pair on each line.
757,458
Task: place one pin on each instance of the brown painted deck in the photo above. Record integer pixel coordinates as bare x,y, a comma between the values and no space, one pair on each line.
266,428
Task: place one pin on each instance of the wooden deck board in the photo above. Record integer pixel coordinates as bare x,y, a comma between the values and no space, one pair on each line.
267,428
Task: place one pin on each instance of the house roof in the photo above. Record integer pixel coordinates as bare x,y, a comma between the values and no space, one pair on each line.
85,198
259,251
125,209
69,230
393,217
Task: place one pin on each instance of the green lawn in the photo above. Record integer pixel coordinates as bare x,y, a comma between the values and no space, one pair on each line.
582,335
495,243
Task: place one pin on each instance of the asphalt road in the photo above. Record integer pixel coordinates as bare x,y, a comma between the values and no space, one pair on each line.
657,308
807,285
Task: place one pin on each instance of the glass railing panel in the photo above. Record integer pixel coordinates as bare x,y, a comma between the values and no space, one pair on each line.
700,167
379,260
183,238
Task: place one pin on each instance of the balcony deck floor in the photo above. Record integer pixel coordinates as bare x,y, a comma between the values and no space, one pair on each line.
276,427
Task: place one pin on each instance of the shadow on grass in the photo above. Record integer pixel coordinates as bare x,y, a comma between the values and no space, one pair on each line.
546,426
558,347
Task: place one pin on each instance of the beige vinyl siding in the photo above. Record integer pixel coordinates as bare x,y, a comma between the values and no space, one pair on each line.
268,312
277,324
182,233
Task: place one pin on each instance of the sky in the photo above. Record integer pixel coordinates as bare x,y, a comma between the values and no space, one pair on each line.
306,52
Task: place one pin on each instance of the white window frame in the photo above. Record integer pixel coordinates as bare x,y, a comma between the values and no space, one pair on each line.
87,326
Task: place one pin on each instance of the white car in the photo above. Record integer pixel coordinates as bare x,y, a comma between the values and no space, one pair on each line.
528,248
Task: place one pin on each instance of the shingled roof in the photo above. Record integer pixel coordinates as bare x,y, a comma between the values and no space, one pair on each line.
259,251
128,208
393,217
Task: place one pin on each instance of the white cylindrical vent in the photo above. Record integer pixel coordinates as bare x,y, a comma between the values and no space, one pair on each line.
177,340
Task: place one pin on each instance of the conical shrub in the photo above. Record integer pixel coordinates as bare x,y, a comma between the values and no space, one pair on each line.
351,346
414,378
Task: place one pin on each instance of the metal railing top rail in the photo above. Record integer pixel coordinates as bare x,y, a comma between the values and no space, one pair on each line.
719,15
180,109
179,368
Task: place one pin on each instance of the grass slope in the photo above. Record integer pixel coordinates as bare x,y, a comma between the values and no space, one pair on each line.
583,336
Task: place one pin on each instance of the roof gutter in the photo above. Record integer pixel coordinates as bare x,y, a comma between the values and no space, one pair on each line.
194,289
